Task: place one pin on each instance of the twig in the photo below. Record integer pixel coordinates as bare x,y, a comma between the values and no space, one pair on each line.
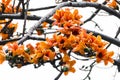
91,67
96,25
18,16
3,42
94,14
118,2
59,75
25,17
13,6
79,58
36,38
42,8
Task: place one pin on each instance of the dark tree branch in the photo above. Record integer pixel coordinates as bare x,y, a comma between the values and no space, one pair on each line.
118,2
59,75
23,7
18,16
17,9
42,8
36,38
25,17
3,42
13,6
117,63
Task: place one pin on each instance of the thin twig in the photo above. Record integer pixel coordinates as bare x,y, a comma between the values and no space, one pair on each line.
96,25
59,75
91,67
13,6
42,8
25,17
94,14
79,58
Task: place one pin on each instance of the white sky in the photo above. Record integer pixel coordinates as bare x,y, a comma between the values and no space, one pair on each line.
108,23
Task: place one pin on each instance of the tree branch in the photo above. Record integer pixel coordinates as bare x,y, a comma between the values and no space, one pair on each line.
42,8
18,16
59,75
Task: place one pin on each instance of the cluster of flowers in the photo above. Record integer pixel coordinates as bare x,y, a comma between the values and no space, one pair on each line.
76,38
6,7
71,37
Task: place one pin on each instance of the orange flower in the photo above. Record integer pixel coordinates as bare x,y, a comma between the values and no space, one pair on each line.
4,36
91,0
65,58
2,21
105,56
8,7
2,55
94,0
100,55
42,45
71,42
66,17
37,56
31,49
43,55
0,7
97,43
27,57
15,48
76,17
75,30
44,24
108,58
48,55
51,41
13,26
39,32
68,64
113,4
80,48
6,2
60,40
43,51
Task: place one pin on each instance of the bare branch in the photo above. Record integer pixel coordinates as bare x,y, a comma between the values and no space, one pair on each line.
42,8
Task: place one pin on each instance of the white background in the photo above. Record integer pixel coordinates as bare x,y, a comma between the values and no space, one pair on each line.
109,24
